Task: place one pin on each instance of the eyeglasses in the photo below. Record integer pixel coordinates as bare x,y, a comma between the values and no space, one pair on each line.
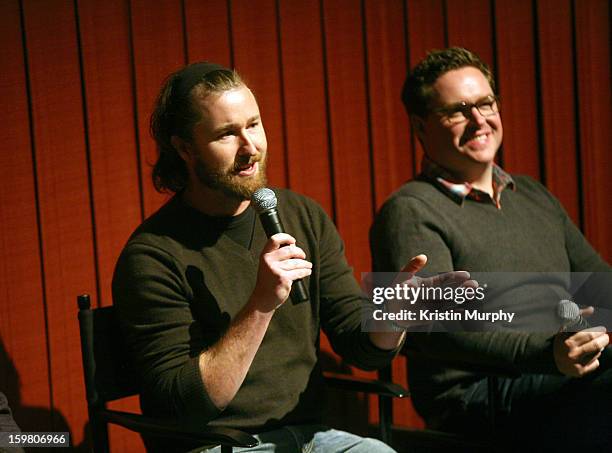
462,111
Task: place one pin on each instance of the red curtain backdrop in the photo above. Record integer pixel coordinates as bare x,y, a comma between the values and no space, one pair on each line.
79,78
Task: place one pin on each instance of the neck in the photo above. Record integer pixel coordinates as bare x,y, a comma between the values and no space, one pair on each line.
214,203
480,177
483,180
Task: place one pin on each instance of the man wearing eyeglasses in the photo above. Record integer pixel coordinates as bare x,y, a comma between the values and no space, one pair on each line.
465,212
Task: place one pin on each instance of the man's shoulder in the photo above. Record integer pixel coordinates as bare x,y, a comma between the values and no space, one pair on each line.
528,183
534,191
293,197
303,215
421,188
416,202
417,192
295,203
164,229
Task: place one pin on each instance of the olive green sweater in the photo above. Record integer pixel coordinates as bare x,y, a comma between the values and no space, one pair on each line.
180,280
530,233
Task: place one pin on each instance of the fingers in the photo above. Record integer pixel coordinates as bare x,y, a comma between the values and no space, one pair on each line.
454,278
577,354
415,264
470,284
293,263
282,246
587,335
294,269
586,311
277,241
591,366
587,342
285,258
287,252
281,263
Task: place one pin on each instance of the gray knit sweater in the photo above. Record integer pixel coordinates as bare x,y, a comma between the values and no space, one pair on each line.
531,233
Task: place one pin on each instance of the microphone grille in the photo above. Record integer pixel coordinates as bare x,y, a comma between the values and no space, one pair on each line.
568,310
264,199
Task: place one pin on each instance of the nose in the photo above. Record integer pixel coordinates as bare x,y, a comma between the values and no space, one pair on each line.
247,144
476,116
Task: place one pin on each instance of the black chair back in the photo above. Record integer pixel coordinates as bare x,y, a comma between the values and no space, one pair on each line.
108,374
101,366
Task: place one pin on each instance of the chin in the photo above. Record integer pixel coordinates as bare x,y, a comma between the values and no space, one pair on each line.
484,156
484,160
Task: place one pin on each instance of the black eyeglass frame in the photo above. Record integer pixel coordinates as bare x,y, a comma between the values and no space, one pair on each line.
466,108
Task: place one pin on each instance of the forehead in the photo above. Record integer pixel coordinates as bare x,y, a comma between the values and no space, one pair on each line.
463,84
230,106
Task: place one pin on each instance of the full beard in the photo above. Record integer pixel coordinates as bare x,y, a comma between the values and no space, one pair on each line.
229,182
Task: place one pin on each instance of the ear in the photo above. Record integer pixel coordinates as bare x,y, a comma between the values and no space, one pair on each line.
182,147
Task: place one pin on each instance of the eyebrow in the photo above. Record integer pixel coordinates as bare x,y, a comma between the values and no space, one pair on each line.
459,105
230,126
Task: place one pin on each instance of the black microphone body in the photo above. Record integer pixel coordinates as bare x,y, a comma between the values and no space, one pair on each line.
272,224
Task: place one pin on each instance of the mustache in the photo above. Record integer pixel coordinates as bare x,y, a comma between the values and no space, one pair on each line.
249,160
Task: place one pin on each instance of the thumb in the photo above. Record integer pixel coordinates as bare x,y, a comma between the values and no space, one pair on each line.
415,264
587,311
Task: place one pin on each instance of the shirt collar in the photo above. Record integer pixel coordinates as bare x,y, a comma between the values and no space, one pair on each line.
460,191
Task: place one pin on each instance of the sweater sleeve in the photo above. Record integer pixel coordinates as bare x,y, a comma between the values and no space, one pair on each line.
161,333
583,258
489,352
343,304
403,229
596,290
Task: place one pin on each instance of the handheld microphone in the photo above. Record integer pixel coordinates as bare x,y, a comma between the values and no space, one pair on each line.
569,313
265,202
572,321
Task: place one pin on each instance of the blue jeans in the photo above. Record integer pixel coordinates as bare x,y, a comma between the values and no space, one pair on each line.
312,439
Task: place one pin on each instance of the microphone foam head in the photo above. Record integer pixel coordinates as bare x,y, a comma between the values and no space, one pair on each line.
568,310
264,199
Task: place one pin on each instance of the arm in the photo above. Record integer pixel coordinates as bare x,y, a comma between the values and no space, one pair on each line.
400,231
380,334
167,341
407,226
577,355
583,257
342,303
392,340
224,366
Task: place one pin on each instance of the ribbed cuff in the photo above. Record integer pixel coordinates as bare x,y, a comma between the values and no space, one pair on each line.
196,405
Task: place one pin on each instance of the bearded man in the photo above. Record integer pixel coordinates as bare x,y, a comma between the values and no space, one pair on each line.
201,290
